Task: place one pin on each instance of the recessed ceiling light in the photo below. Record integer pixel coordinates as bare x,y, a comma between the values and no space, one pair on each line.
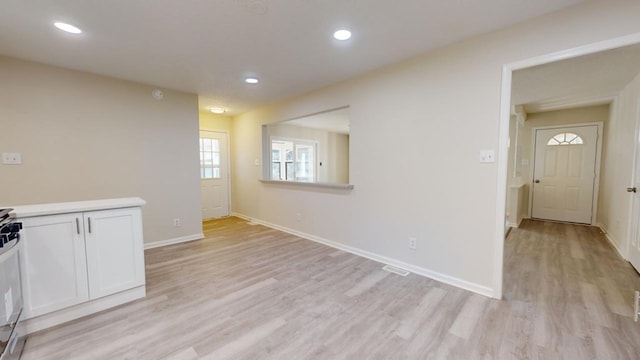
67,27
217,110
342,34
251,80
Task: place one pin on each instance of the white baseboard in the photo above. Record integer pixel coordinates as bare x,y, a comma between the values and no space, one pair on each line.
515,225
450,280
77,311
178,240
611,240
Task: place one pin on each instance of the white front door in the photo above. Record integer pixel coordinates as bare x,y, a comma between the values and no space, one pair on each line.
564,173
214,174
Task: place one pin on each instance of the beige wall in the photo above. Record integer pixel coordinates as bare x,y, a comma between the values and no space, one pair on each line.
414,161
85,137
617,165
214,122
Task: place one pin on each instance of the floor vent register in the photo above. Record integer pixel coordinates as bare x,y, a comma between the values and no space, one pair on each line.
395,270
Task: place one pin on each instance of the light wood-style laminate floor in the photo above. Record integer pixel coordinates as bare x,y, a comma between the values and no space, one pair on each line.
250,292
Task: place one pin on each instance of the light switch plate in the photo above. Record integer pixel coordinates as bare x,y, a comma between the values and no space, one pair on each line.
487,156
11,158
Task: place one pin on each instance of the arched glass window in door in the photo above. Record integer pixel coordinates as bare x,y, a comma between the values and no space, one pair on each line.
565,139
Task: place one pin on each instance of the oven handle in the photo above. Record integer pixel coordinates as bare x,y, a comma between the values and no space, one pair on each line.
12,250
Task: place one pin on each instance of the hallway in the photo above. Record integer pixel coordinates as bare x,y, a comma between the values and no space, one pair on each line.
574,291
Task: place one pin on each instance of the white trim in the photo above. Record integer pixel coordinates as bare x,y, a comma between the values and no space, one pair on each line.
501,193
463,284
587,49
77,311
178,240
614,112
226,133
611,240
569,103
343,107
505,105
512,224
596,180
632,227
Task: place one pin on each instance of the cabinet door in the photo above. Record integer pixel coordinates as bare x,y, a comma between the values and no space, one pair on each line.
53,263
115,254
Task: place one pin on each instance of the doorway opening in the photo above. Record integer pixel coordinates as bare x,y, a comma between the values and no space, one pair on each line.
545,76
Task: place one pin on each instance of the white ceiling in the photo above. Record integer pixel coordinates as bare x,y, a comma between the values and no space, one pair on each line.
208,47
585,80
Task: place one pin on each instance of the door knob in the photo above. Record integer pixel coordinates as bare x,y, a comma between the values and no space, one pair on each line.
631,189
537,181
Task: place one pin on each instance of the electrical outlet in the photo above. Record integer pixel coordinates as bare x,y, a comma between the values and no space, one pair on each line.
298,216
487,156
413,243
11,158
177,222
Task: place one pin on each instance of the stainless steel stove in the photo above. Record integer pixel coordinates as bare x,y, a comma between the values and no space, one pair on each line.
12,332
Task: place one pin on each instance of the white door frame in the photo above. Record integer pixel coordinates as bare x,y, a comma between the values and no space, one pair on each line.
228,164
503,140
633,224
596,182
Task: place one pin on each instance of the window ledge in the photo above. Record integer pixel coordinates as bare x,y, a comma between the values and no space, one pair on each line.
309,184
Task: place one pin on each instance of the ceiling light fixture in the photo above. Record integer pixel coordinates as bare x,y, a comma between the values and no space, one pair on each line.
217,110
342,34
67,28
251,80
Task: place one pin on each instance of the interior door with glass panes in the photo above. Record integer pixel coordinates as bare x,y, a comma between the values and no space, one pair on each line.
214,174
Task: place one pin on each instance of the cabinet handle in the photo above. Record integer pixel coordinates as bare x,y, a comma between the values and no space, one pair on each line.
78,226
89,223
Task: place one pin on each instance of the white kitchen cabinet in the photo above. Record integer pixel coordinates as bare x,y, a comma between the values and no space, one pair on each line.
54,263
115,254
77,263
72,258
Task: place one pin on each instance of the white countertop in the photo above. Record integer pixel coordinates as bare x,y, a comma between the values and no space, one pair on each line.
22,211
